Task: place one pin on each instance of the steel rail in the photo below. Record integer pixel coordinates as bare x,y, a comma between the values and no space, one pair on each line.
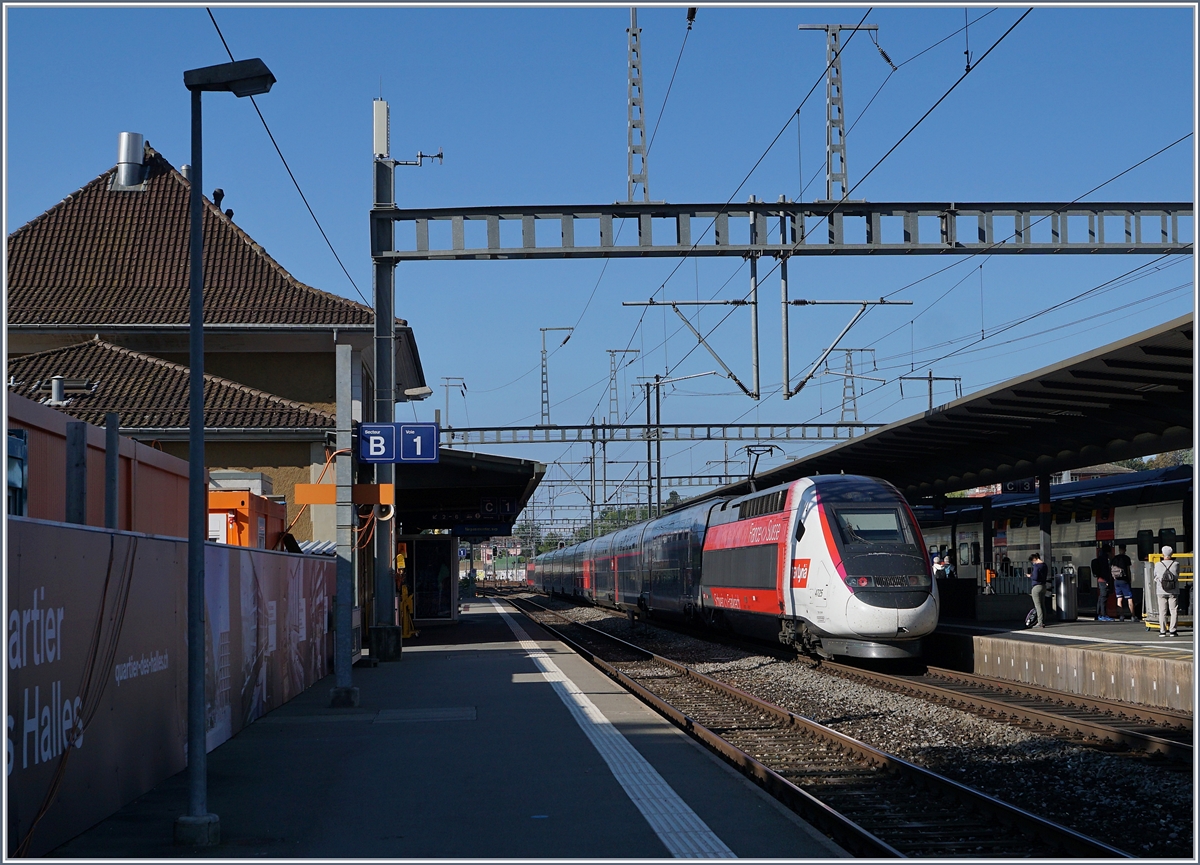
1168,718
1006,707
845,831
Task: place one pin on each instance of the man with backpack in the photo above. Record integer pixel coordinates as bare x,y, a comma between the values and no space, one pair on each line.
1166,586
1102,568
1122,569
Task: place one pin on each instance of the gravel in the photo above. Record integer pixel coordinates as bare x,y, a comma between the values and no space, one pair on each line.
1129,802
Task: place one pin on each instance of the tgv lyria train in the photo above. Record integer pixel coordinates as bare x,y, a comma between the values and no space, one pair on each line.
832,564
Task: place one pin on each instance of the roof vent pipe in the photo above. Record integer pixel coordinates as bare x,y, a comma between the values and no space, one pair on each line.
130,150
57,390
186,171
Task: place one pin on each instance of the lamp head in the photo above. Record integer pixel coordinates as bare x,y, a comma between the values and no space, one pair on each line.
241,78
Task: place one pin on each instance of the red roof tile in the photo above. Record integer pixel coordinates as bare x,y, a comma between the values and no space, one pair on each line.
103,257
147,391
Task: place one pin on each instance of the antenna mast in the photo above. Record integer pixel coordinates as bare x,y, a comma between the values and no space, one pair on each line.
637,114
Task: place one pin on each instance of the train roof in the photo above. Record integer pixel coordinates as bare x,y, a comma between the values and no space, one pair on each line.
1135,488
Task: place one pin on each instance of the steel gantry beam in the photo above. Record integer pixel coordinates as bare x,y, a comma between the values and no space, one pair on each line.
808,228
587,433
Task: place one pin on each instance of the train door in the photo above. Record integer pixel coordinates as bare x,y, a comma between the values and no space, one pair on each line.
809,577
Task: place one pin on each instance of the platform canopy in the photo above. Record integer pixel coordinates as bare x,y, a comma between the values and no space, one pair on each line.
1130,398
474,495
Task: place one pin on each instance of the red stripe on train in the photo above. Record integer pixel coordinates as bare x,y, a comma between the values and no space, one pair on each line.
749,600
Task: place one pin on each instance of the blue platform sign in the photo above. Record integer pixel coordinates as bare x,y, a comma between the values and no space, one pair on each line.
398,442
377,443
418,442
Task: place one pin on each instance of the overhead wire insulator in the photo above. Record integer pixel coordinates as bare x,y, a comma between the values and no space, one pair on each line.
691,16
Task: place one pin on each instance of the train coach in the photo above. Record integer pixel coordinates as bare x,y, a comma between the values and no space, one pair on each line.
832,564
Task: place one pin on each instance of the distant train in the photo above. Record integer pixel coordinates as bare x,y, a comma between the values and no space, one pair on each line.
833,564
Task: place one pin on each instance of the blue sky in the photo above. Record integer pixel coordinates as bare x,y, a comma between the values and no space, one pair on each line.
529,107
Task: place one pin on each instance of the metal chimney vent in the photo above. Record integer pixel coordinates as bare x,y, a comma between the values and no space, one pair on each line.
130,150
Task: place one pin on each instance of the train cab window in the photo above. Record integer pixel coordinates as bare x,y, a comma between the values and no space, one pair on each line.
873,526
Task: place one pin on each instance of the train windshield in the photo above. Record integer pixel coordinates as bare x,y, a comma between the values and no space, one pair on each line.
873,527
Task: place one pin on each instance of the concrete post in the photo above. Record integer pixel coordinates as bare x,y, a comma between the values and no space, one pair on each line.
76,472
343,694
112,468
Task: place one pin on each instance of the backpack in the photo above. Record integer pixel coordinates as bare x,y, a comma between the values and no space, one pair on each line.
1170,579
1118,573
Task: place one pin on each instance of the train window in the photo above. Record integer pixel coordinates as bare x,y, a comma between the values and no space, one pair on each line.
1083,516
975,552
799,528
769,504
1061,519
964,553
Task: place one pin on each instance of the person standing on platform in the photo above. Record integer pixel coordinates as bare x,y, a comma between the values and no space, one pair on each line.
1166,586
1039,575
1102,568
939,568
1122,570
948,568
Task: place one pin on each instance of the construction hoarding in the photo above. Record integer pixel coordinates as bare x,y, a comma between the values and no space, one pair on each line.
97,657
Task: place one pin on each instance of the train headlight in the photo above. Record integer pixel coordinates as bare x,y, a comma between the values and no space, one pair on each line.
857,582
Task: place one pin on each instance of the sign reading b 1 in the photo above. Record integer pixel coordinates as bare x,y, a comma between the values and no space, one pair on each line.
398,443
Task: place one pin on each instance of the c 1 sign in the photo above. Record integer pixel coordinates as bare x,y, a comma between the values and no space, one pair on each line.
398,442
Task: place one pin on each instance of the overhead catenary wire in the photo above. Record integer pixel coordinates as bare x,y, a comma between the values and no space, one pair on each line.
288,168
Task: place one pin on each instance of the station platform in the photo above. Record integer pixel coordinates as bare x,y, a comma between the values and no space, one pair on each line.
1113,660
487,739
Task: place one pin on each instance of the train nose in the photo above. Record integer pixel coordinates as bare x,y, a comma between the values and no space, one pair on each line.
888,622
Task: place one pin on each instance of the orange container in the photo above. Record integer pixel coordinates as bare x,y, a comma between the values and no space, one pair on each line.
243,519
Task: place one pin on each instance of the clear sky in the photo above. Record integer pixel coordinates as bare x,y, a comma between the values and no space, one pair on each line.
529,106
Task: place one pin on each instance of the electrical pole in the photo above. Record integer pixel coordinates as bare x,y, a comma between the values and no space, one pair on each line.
930,379
639,172
546,371
449,382
614,409
649,455
835,115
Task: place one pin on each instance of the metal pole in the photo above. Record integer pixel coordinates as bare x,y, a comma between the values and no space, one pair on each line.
76,510
1044,516
783,293
386,643
592,466
197,489
754,325
112,469
649,455
658,445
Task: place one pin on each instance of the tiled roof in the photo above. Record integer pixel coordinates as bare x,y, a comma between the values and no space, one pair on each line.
103,257
147,391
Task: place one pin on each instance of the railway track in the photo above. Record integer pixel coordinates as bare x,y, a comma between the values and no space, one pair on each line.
1153,731
1090,721
872,803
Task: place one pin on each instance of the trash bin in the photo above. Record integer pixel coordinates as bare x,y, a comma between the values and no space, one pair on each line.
1066,596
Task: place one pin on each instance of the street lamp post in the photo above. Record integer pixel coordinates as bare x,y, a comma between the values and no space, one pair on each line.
244,78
